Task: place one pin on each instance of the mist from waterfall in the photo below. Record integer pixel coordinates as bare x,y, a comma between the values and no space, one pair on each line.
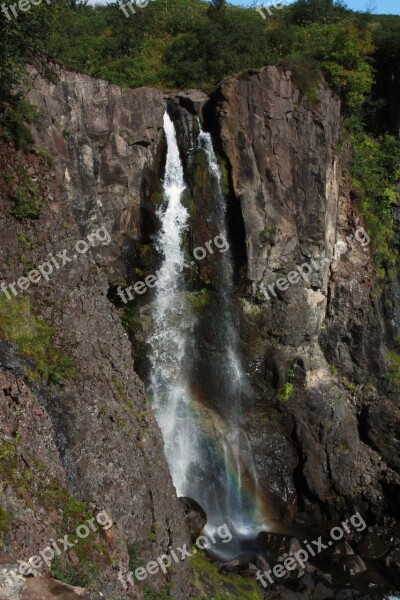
208,453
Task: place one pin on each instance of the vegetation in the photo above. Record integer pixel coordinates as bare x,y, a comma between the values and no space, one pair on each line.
3,525
135,560
209,582
34,340
25,197
375,171
393,372
286,391
152,594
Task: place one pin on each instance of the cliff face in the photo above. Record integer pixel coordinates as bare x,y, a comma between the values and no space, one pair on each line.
102,441
321,446
288,171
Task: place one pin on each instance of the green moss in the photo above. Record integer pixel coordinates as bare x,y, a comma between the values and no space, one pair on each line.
393,370
152,537
286,391
41,152
199,298
224,587
34,339
224,170
81,575
131,320
4,519
8,461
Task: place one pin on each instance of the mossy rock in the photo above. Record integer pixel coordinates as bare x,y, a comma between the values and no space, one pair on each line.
35,340
211,584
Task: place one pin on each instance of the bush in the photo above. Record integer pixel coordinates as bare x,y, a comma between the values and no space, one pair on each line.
375,170
25,197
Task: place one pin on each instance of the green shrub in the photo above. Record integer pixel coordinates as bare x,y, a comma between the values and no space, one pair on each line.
81,575
286,391
17,131
25,196
135,560
375,170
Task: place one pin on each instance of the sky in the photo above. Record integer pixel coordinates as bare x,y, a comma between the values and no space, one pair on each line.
390,7
385,7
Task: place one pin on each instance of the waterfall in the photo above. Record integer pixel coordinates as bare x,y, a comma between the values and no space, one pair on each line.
208,453
169,384
245,508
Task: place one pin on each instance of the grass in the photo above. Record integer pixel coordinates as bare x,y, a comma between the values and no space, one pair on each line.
3,525
34,339
224,587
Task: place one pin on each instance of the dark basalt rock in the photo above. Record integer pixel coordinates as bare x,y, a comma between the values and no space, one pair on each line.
196,518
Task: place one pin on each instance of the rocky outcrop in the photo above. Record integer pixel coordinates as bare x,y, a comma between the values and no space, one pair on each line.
105,144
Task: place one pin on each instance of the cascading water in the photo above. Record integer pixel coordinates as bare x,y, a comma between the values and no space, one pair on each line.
169,382
198,394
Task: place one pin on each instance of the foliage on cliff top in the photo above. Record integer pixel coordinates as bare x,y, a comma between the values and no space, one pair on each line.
375,172
191,43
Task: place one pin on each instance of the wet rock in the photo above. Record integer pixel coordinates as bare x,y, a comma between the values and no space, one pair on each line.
261,563
348,595
372,547
383,430
392,562
193,101
233,566
322,592
273,545
355,565
196,518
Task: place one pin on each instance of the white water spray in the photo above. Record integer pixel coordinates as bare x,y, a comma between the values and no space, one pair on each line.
173,324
